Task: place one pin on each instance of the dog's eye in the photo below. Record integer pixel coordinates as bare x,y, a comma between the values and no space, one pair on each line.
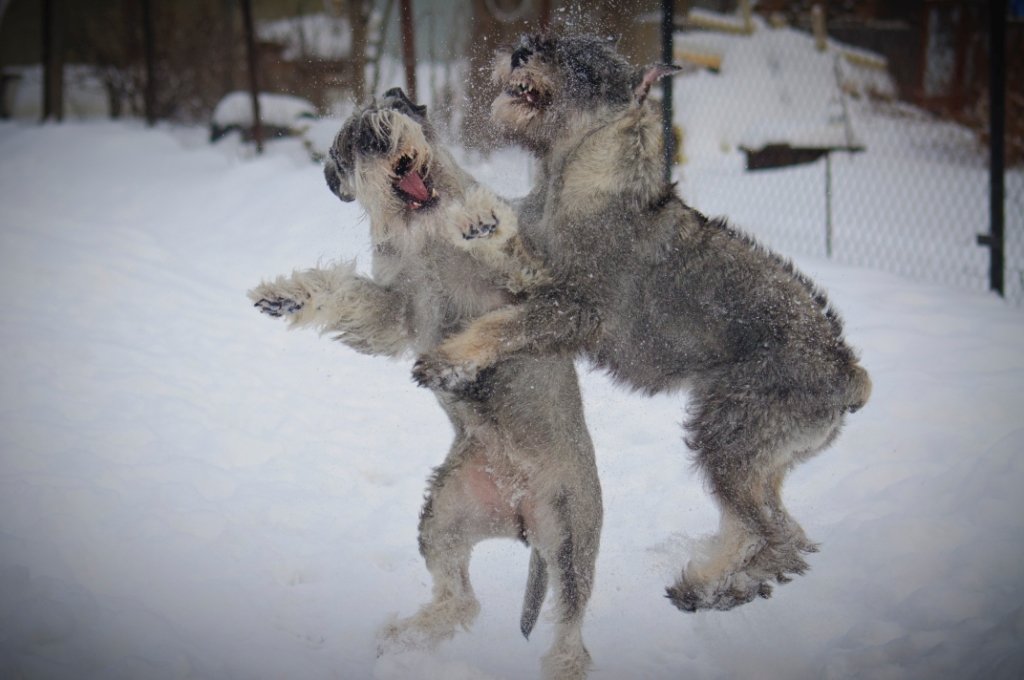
369,141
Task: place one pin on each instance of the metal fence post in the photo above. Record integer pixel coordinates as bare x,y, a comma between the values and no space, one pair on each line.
828,204
667,29
995,239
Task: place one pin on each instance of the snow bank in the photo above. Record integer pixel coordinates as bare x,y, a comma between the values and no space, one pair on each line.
279,110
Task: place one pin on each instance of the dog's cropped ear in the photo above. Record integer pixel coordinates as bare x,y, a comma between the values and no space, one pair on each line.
338,181
398,94
651,75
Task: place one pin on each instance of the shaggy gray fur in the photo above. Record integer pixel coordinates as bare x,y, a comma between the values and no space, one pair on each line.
665,299
522,463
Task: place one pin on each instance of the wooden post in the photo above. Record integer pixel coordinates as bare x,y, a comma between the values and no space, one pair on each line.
544,20
358,18
748,16
254,89
149,56
818,26
408,47
53,60
380,41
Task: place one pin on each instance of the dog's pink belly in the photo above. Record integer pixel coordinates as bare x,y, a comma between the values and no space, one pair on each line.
499,499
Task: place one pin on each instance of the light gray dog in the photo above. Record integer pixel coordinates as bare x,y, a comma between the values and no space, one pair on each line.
522,463
665,299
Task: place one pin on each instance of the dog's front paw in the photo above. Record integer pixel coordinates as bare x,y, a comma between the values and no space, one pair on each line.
482,217
480,226
437,373
279,298
278,306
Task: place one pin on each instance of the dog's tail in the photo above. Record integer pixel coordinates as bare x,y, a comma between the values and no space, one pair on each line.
536,589
859,389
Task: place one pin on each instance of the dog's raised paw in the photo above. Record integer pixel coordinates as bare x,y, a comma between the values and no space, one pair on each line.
483,217
435,373
278,306
482,227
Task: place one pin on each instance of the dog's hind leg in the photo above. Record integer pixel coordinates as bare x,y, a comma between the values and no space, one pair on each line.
733,436
566,533
463,506
782,557
719,580
746,441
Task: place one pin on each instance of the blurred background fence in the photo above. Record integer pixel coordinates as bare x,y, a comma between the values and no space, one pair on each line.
854,130
864,129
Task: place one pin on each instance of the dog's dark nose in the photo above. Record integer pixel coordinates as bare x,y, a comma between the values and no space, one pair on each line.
520,57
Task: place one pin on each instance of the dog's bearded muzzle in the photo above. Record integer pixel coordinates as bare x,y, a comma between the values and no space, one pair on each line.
399,147
523,80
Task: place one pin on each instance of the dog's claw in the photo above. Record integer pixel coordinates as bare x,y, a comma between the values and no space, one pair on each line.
683,600
480,230
689,598
278,307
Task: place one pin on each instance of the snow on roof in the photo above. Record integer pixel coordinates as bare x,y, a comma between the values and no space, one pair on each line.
275,109
318,36
800,133
774,87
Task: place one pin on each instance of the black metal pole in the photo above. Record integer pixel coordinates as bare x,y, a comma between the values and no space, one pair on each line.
667,29
149,52
53,59
254,88
828,204
997,128
47,58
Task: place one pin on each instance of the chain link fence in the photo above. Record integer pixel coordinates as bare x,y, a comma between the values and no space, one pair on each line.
823,146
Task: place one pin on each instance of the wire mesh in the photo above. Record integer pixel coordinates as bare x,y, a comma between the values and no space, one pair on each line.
854,164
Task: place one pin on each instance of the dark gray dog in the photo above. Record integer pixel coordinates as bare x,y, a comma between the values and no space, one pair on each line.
522,463
665,299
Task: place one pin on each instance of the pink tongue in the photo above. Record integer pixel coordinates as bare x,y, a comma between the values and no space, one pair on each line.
413,185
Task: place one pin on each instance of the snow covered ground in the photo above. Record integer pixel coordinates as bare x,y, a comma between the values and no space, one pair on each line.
189,490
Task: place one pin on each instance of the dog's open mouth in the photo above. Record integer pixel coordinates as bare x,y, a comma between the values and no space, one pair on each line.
526,94
411,186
